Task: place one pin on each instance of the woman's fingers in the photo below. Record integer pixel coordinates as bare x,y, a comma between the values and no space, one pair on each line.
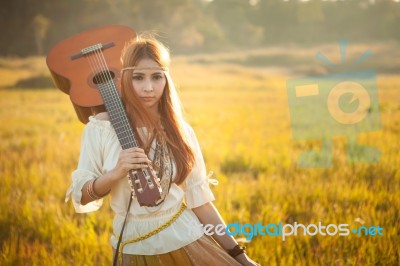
138,166
134,150
130,166
132,159
135,155
135,160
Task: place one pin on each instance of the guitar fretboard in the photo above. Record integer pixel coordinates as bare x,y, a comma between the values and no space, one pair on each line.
116,111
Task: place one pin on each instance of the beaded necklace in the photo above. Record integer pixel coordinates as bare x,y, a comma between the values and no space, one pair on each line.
163,165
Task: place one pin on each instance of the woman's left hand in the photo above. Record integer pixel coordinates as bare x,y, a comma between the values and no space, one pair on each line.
245,260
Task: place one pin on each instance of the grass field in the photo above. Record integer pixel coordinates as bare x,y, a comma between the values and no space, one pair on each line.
239,110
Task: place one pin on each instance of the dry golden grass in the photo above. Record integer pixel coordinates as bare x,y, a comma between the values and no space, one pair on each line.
241,118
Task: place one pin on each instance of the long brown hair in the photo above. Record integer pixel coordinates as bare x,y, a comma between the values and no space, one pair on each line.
171,125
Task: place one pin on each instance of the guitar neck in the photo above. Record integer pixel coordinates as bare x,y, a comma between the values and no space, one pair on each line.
118,117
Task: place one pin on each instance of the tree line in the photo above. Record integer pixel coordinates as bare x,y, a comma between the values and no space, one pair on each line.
31,27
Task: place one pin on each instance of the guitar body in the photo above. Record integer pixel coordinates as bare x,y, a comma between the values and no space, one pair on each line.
75,77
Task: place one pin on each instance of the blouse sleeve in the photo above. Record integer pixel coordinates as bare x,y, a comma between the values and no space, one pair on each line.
196,187
89,165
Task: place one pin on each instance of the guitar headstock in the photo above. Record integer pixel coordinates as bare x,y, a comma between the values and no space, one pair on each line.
146,186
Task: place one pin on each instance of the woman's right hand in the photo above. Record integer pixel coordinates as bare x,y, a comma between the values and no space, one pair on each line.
130,159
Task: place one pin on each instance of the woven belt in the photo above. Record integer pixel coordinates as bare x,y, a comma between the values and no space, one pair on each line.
152,233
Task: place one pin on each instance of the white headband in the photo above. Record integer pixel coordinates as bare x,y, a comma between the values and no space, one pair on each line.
145,68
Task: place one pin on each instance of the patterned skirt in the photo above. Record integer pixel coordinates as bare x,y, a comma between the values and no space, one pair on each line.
202,252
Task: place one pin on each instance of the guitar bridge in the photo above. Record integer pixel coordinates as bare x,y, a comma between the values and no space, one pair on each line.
92,49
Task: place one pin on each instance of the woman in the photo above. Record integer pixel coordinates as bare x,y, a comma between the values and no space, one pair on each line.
170,233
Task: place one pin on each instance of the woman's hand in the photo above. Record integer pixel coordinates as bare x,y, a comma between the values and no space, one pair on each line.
130,159
245,260
208,214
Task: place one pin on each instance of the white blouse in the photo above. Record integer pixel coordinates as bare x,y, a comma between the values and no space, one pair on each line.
100,150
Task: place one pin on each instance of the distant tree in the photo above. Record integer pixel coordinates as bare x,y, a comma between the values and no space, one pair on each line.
236,20
40,27
32,27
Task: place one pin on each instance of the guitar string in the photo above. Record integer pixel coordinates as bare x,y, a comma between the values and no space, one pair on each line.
105,75
99,72
106,78
96,67
100,55
116,98
154,176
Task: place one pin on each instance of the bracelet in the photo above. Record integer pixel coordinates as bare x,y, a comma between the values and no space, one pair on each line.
90,190
237,250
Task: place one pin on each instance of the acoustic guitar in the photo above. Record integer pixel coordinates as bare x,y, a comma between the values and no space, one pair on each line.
87,66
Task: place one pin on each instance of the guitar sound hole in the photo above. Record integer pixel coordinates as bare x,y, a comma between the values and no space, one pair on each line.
103,77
